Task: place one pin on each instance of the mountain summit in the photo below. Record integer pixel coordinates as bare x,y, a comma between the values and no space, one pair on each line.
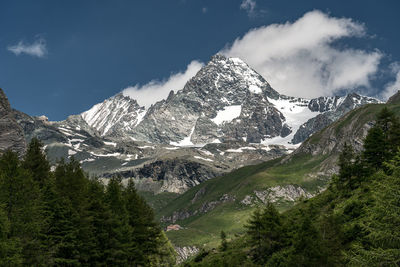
226,100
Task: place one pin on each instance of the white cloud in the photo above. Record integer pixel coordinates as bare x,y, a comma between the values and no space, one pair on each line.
249,6
157,90
299,58
37,48
392,87
204,10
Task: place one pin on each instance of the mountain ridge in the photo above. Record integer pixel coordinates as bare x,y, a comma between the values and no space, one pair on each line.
226,116
226,99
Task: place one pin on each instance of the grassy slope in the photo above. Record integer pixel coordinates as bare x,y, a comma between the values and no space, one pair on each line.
203,229
159,201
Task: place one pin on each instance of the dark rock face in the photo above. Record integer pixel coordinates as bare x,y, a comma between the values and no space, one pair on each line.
311,126
173,175
322,104
394,99
11,134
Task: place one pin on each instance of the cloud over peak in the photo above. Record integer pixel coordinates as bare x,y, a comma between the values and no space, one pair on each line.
37,48
300,59
156,90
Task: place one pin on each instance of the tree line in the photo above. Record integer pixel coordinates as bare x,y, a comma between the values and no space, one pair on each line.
65,218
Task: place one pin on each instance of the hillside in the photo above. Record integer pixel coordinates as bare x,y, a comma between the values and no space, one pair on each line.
355,222
225,203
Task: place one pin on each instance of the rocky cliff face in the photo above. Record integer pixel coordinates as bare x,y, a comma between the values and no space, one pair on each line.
11,133
170,175
115,115
225,100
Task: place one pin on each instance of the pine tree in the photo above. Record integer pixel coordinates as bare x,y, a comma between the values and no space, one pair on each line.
71,185
224,243
119,232
346,166
22,203
382,140
10,250
101,223
60,232
375,148
266,234
381,245
71,182
35,161
146,235
307,245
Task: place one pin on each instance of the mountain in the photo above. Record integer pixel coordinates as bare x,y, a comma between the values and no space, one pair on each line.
226,100
11,134
227,116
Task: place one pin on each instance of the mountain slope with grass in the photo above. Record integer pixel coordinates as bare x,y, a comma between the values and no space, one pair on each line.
226,202
355,222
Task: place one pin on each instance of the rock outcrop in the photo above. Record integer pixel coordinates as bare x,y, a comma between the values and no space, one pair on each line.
185,252
11,133
170,175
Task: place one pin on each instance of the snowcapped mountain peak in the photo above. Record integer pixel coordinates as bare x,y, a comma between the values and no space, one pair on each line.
119,112
230,77
226,100
238,69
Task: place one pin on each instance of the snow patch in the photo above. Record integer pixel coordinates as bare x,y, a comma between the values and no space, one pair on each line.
106,155
86,160
71,152
296,113
140,117
144,147
239,150
110,143
198,157
172,148
255,89
186,141
228,114
208,153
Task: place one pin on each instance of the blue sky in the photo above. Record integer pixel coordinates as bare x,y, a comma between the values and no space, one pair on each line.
61,57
